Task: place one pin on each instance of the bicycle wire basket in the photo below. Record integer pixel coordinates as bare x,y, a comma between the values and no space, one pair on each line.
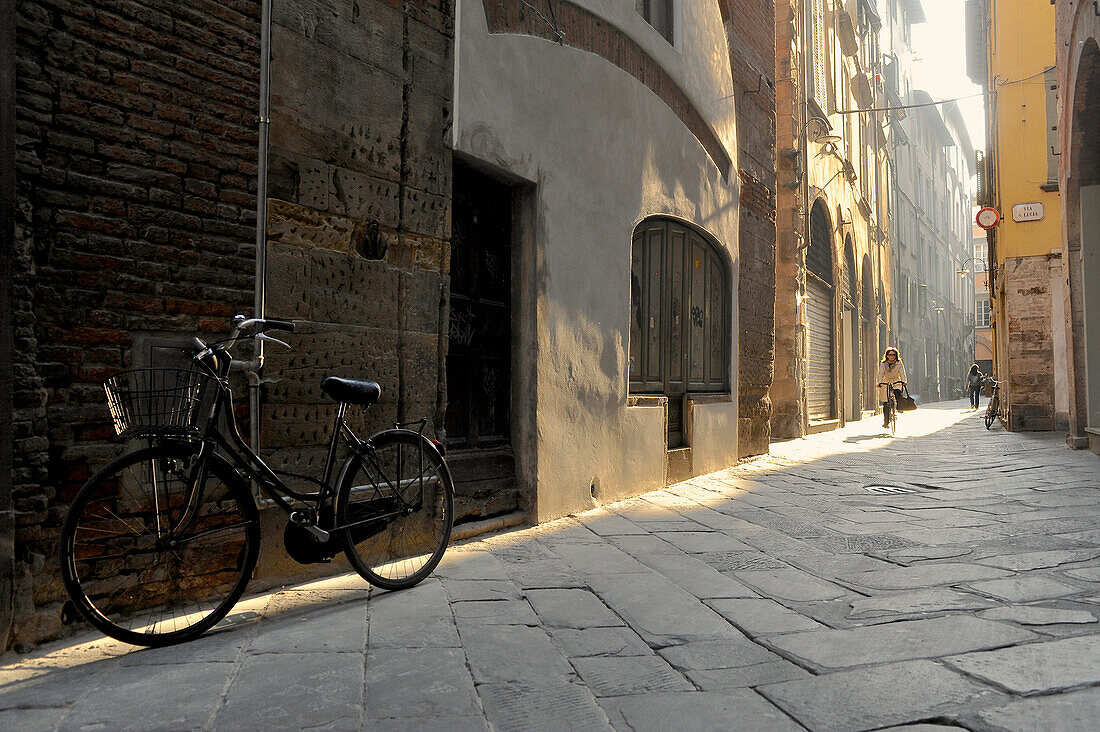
157,401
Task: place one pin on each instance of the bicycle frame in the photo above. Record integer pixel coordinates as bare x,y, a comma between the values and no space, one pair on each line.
253,466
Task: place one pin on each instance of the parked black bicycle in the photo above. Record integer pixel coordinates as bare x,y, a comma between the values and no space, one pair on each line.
160,544
993,410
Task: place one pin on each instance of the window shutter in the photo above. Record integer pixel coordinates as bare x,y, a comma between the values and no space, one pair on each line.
820,86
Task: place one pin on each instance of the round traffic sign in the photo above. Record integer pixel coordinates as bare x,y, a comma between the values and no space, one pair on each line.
988,217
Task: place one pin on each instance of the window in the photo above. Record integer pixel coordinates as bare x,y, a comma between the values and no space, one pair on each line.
658,13
679,311
979,264
982,312
820,62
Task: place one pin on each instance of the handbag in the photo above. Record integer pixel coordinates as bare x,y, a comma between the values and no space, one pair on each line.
906,403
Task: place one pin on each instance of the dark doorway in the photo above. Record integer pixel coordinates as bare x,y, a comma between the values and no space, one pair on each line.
479,355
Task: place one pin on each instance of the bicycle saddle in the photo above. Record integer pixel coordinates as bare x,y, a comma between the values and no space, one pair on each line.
352,391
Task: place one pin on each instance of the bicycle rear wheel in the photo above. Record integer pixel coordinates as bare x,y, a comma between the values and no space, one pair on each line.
399,507
991,412
139,572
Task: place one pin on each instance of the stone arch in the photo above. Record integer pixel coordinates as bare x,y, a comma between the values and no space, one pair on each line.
1082,206
868,321
820,316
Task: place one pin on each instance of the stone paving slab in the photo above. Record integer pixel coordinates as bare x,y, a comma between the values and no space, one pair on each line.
907,639
1037,667
1035,615
924,575
513,654
872,698
557,707
757,674
1040,560
659,611
935,599
442,682
695,577
733,710
272,687
762,616
790,584
1071,712
613,676
1025,589
494,612
465,590
416,618
600,642
571,608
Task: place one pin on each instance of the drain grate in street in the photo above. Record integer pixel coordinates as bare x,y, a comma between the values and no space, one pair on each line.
890,489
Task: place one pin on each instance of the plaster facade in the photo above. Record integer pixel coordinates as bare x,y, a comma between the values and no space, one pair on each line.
548,118
1016,57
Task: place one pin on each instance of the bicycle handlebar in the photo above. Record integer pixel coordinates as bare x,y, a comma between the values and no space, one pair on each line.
883,383
255,328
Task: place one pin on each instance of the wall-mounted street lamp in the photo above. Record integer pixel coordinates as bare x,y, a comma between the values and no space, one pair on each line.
963,271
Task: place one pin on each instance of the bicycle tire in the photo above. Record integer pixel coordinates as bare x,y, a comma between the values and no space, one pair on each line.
140,582
893,419
398,553
991,412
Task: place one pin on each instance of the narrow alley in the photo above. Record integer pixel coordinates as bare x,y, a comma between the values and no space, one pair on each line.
847,581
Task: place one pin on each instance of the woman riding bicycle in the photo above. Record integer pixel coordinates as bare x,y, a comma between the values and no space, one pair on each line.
890,370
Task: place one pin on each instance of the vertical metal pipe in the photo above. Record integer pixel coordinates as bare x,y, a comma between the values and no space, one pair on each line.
260,305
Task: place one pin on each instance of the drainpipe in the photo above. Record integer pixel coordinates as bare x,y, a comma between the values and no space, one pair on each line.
259,307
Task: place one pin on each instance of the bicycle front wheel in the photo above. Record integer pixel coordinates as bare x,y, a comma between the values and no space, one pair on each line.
991,412
150,556
397,504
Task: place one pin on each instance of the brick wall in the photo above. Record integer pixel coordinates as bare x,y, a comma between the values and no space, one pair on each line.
750,29
135,156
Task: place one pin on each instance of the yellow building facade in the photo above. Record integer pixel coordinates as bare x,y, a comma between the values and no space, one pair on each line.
1012,55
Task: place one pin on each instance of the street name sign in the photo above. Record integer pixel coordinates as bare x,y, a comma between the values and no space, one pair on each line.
1027,212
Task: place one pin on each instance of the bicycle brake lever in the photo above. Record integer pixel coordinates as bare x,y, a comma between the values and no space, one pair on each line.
266,337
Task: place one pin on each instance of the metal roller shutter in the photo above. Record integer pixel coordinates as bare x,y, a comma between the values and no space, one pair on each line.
820,372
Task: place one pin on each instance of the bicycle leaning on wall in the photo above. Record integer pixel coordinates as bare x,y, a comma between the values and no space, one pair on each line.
160,544
994,410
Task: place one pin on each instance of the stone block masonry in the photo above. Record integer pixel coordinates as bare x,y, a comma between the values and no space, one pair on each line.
136,170
1030,343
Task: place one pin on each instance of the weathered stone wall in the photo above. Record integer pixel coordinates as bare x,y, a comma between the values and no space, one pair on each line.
359,221
135,156
1029,340
750,28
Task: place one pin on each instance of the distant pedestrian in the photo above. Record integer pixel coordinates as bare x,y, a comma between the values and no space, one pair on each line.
890,370
974,381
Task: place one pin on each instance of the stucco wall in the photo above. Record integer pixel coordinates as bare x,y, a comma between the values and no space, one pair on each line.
603,152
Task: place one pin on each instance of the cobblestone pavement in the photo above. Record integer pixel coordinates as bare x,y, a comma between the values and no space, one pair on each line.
948,577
